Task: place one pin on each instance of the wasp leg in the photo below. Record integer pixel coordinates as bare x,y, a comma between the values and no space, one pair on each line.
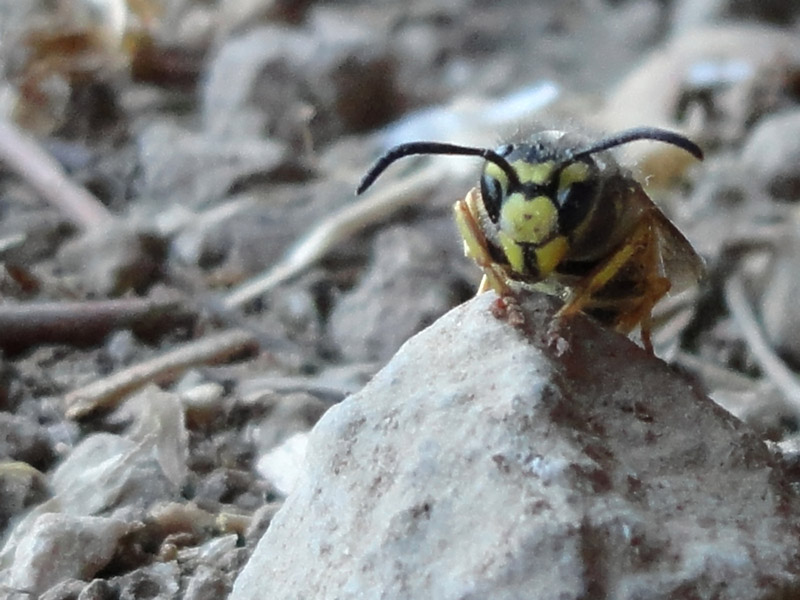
476,245
484,286
642,247
606,271
656,288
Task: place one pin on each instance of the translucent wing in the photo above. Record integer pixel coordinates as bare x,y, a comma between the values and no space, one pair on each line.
679,261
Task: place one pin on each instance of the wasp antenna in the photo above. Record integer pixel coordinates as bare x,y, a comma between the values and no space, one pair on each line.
413,148
643,133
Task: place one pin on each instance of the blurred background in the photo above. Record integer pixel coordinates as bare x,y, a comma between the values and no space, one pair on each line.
173,170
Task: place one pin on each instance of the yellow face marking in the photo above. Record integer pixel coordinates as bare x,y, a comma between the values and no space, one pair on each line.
574,173
531,221
495,172
513,252
550,255
533,172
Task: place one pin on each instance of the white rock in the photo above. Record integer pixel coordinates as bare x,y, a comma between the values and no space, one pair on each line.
61,547
159,423
282,465
487,462
108,470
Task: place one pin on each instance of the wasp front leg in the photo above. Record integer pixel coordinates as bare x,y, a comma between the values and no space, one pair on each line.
476,246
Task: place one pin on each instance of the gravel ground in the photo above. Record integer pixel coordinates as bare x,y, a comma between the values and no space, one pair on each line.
188,282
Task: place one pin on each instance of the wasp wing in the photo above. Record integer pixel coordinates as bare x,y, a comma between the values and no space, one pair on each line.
680,263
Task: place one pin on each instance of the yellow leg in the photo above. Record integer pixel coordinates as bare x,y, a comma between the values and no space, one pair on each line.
484,285
476,245
642,248
639,241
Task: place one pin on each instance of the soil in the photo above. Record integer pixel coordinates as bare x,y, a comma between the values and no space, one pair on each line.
214,149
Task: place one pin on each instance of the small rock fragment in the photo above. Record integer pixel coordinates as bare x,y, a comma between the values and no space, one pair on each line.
98,589
107,470
69,589
213,565
111,260
61,547
159,423
207,583
23,439
202,402
282,466
20,487
223,485
159,581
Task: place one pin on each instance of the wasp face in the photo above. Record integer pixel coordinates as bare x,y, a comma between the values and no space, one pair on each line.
555,193
537,211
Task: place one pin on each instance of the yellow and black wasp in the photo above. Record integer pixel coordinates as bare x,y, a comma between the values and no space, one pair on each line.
564,216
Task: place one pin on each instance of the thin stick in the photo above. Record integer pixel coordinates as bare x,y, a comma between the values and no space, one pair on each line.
109,391
24,156
774,368
337,228
80,323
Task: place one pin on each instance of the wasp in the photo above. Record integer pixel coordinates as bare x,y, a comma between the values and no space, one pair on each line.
562,216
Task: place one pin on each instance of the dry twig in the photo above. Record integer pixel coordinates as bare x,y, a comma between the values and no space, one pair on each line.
24,156
80,323
109,391
337,228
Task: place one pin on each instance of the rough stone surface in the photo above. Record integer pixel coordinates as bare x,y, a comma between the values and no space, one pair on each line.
487,462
